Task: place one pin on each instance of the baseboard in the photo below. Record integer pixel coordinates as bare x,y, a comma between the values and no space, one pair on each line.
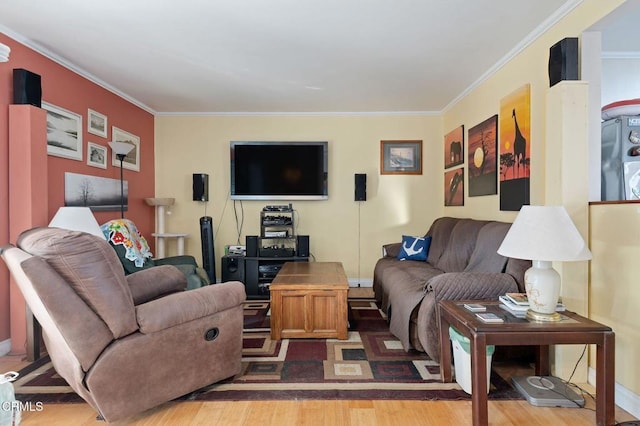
5,347
360,282
625,399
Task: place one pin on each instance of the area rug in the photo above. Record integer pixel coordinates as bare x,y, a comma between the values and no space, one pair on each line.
370,365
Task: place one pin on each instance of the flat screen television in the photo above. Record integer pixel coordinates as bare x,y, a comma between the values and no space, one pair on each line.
279,170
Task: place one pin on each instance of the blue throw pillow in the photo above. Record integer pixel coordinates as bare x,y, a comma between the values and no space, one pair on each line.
414,248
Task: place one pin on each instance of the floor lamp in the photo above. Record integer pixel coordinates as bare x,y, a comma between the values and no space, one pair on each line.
121,149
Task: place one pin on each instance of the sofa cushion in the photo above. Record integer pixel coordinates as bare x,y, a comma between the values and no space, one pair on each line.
440,233
485,257
92,269
461,244
414,248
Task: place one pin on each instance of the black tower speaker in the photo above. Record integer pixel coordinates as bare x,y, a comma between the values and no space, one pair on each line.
233,268
200,187
361,187
208,253
26,88
563,61
302,244
252,246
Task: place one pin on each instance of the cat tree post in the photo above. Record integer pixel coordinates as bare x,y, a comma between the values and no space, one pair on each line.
160,204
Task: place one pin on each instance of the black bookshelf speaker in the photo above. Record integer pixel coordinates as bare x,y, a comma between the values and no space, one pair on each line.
232,268
208,253
27,89
302,246
563,61
360,187
252,246
200,187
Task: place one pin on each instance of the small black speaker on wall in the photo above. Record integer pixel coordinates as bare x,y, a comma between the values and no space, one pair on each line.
27,89
200,187
302,245
361,187
563,61
252,246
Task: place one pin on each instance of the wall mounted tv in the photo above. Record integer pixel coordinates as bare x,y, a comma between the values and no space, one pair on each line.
279,170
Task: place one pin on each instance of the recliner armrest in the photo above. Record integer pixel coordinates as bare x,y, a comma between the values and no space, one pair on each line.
151,283
470,285
179,308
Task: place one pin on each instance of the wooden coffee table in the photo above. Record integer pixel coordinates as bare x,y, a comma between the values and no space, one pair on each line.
309,300
573,329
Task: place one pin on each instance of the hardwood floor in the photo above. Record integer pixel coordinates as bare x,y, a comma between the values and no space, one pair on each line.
308,412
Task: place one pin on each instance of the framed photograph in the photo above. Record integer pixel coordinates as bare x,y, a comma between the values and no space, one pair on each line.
132,160
98,193
64,132
454,147
96,123
96,155
400,157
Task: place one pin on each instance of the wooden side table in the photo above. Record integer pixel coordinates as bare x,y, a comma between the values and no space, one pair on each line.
309,300
573,329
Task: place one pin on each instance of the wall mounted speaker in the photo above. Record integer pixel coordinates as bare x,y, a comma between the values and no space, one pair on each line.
361,187
252,245
563,61
302,246
200,187
26,88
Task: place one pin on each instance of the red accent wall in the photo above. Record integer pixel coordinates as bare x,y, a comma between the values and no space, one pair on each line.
64,88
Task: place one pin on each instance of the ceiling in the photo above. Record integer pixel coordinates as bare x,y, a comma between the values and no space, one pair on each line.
282,56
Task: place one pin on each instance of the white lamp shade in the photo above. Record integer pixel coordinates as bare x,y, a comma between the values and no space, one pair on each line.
4,52
544,233
121,148
76,219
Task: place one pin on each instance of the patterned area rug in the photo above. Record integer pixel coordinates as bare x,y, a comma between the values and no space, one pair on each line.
371,364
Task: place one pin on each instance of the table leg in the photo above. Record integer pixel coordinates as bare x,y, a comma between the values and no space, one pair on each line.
605,378
479,380
543,363
445,351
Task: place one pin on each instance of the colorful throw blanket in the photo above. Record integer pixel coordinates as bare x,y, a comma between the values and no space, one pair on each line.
125,233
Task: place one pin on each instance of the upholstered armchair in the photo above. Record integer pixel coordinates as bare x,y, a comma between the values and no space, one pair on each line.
134,253
125,343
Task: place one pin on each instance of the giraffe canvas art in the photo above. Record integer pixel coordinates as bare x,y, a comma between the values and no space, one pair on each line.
515,149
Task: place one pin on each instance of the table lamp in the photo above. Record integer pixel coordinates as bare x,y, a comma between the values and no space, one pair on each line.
76,219
121,149
543,234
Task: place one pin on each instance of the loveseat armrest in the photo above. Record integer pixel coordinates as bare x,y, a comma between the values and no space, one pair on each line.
391,250
179,308
470,285
183,259
151,283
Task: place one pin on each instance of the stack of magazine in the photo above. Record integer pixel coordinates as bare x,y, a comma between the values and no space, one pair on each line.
517,304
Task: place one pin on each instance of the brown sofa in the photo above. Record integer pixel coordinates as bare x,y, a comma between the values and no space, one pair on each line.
125,343
462,263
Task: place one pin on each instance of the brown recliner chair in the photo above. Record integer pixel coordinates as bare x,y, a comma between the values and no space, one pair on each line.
125,344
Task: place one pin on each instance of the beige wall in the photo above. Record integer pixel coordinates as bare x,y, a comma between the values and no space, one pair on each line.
614,297
395,204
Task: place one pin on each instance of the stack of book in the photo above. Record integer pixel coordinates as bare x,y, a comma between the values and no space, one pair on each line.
517,304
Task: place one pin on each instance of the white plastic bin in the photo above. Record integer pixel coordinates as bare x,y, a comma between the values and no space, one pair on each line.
462,359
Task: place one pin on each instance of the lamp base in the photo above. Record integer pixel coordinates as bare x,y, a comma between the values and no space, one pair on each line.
540,317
